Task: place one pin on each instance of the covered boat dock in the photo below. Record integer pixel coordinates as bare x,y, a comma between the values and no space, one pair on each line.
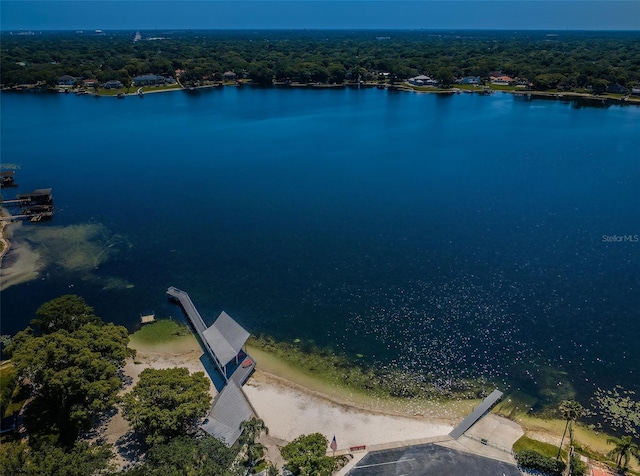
223,342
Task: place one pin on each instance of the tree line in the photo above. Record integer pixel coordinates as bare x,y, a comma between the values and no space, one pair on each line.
548,60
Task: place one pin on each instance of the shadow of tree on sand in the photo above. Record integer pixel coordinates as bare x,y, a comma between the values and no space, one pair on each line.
131,447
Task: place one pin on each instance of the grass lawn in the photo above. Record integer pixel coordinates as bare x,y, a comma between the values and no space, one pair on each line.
502,87
146,89
14,399
160,332
546,449
111,92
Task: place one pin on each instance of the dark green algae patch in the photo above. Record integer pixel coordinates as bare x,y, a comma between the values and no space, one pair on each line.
354,373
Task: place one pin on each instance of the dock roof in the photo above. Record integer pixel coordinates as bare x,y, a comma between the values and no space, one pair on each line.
229,410
225,338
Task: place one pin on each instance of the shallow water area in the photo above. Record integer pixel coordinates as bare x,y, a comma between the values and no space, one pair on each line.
445,236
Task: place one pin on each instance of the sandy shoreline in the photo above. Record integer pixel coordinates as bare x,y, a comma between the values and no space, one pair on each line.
568,95
288,408
19,262
309,412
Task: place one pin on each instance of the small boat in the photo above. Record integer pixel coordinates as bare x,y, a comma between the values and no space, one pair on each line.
120,95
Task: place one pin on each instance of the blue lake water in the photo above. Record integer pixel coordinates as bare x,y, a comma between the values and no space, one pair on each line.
456,235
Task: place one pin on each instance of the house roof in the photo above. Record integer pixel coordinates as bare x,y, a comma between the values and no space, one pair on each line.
66,77
148,77
229,73
229,410
226,338
421,77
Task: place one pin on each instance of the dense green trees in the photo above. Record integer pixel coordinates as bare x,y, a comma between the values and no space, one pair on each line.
72,375
565,59
18,459
306,456
165,403
68,312
188,456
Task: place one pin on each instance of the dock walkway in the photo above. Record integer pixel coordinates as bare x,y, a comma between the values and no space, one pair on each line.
476,414
223,342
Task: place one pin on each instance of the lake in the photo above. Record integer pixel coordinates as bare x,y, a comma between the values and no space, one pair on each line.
455,236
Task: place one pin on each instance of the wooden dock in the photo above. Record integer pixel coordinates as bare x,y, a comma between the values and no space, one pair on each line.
223,342
190,310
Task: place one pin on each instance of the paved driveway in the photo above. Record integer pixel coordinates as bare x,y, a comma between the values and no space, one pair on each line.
429,460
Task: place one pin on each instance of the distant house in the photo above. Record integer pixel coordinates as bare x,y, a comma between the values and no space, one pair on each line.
149,80
470,80
422,80
501,79
635,91
113,84
66,80
90,83
230,75
617,89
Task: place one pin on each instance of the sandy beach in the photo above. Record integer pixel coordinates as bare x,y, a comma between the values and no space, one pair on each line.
288,408
19,262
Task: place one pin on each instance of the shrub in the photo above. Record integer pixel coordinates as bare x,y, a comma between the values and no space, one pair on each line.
533,460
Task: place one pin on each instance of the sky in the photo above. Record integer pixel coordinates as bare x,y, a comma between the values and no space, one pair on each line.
319,14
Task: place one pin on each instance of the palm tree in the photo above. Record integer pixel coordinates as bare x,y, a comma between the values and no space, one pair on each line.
570,411
272,469
251,429
624,449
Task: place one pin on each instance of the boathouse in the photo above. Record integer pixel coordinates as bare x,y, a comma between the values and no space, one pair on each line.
224,342
7,178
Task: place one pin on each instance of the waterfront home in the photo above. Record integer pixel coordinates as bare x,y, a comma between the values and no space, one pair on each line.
66,80
422,80
617,89
113,84
90,83
635,91
470,80
151,80
501,79
229,75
